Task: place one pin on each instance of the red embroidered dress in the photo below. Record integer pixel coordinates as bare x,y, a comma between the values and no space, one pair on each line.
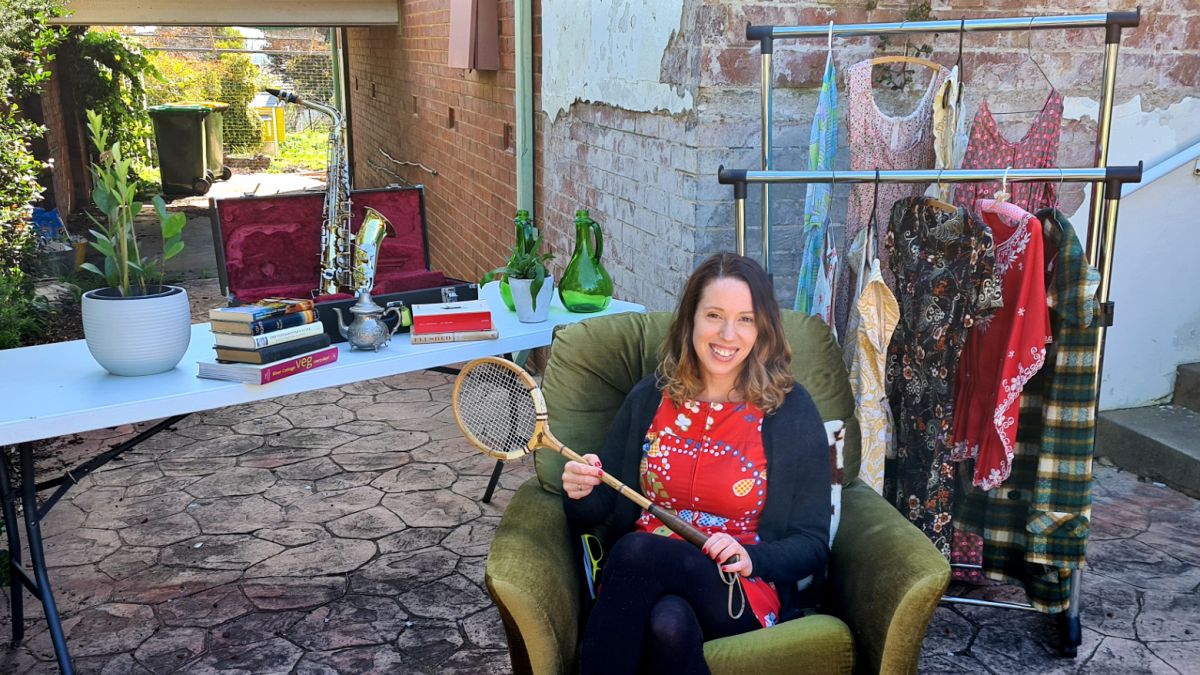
1004,350
706,462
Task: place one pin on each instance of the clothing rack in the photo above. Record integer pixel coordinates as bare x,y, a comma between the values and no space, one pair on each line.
1105,198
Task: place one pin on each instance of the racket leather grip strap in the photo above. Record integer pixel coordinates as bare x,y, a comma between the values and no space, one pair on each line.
683,529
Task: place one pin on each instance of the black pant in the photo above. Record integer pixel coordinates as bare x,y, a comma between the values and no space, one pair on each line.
659,600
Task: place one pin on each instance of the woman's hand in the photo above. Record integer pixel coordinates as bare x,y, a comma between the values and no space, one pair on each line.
721,547
579,479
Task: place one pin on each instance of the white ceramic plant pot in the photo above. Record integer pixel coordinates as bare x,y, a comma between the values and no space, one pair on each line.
140,335
523,299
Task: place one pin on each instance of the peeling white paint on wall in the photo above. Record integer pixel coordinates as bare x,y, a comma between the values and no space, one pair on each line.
1147,135
609,51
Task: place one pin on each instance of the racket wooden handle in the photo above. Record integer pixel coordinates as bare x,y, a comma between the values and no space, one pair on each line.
668,518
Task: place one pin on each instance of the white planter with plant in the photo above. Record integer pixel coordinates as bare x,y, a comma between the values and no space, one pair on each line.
531,285
136,326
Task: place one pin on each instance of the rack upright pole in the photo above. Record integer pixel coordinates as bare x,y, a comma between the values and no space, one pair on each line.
768,124
1103,129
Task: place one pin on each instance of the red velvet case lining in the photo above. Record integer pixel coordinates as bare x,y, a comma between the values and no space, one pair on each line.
272,244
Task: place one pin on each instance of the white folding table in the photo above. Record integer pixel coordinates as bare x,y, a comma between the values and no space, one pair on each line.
58,389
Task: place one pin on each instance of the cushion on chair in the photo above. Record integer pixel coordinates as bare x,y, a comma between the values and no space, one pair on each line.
596,362
813,645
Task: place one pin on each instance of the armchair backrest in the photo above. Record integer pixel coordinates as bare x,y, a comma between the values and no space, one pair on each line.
595,363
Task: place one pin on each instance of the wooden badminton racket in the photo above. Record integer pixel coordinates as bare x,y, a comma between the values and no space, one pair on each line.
500,410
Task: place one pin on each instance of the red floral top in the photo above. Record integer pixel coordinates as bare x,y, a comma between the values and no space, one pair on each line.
706,462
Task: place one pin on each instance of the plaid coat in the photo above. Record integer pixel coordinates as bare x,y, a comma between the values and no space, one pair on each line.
1035,526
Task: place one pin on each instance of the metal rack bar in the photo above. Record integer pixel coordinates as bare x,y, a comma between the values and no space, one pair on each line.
1107,20
1120,174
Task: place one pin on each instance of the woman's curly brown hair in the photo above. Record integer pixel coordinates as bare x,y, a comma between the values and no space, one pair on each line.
766,375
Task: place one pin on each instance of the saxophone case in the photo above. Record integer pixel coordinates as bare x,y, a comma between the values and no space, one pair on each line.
270,246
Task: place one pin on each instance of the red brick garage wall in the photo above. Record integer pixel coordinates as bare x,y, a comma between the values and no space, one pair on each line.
402,98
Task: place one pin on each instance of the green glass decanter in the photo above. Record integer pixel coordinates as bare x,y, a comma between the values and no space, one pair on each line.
585,286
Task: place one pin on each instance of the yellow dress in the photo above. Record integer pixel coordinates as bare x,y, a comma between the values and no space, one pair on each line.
872,321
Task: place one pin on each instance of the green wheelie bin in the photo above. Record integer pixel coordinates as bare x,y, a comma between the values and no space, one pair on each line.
189,136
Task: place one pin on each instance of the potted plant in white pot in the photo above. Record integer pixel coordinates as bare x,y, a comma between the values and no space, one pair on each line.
137,325
531,286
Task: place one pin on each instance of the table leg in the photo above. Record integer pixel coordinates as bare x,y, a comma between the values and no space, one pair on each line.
37,559
491,486
12,529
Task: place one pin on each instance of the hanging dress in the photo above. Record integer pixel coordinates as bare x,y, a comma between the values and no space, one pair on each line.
949,133
989,149
822,148
945,282
1037,149
879,141
706,462
1036,528
1004,350
869,330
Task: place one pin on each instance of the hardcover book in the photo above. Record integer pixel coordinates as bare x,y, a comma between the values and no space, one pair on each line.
265,325
274,337
263,309
273,352
445,317
262,374
454,336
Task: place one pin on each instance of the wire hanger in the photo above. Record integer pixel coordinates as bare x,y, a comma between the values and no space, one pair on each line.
958,63
939,204
1029,55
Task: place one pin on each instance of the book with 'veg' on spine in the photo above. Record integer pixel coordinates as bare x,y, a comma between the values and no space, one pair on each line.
261,374
273,352
265,325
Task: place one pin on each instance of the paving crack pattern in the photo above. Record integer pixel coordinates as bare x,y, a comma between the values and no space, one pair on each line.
341,531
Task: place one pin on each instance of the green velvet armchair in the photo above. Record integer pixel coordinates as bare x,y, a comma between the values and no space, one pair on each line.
885,577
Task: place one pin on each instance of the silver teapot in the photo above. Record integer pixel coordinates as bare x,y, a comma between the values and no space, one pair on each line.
367,330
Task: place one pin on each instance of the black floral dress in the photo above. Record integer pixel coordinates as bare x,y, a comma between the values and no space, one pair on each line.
945,283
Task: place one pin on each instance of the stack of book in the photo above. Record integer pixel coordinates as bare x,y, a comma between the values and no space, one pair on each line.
267,341
452,322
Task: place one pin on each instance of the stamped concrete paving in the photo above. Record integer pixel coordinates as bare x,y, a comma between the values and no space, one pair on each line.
341,531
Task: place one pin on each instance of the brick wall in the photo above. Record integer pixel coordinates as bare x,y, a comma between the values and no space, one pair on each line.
402,96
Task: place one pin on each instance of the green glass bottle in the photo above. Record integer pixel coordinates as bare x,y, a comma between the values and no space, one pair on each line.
586,286
521,224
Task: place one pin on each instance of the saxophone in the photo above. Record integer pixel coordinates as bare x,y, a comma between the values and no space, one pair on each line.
347,261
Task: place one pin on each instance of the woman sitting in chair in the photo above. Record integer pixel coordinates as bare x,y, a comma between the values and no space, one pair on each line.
701,437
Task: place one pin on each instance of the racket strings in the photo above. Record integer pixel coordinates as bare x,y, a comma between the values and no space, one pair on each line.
495,407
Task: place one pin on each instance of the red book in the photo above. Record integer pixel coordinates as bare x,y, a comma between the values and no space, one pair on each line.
261,374
448,317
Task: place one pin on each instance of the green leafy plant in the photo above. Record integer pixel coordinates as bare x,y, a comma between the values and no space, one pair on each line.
527,260
27,45
114,193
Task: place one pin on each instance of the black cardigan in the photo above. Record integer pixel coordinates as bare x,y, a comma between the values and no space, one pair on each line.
794,526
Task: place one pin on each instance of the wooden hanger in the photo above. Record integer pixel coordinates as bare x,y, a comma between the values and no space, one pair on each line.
939,204
897,58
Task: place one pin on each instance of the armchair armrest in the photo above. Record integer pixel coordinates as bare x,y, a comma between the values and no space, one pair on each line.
886,579
531,574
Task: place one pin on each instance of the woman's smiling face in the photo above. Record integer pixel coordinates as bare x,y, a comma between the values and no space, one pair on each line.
723,333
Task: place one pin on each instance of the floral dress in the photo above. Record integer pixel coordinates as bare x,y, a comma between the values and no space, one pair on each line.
945,282
706,462
880,141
